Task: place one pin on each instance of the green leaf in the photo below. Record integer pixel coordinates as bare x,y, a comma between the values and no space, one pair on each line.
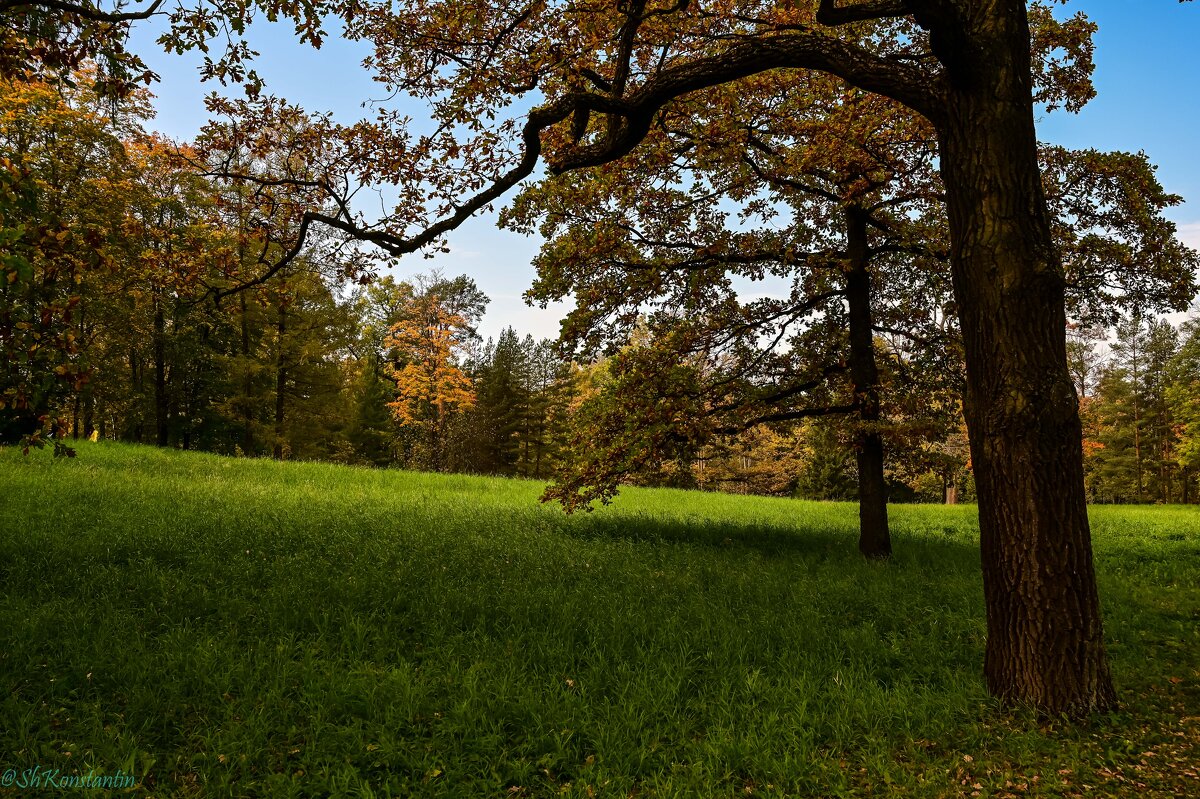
17,265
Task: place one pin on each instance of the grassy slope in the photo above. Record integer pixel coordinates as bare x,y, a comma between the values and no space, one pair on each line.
251,628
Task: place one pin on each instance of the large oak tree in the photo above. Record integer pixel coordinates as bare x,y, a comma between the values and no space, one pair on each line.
965,65
835,190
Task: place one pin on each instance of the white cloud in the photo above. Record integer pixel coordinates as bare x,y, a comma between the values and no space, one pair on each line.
1189,234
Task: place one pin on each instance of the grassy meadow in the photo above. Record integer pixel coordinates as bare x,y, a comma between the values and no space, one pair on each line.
223,627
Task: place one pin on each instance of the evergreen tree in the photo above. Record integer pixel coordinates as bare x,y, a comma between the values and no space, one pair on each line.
549,391
502,411
371,430
1134,429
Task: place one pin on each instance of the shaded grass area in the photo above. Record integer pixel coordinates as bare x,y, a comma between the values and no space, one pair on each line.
248,628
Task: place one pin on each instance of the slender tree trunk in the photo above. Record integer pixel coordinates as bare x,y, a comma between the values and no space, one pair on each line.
539,445
435,458
1164,472
89,411
134,424
192,393
161,421
78,409
1045,645
874,539
247,381
1137,444
280,382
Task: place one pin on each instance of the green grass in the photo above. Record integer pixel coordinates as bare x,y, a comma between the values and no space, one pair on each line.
234,627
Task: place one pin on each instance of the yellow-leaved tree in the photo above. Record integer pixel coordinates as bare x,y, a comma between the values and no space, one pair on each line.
426,345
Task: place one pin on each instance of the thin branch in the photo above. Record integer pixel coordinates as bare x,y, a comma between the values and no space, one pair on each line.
81,10
788,416
779,181
828,13
919,250
924,341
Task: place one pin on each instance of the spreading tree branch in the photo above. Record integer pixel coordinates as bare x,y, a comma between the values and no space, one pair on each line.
907,84
630,118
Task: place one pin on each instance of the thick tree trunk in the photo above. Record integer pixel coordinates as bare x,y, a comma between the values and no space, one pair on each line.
1045,645
874,539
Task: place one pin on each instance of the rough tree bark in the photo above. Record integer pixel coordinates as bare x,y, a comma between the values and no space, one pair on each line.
1045,646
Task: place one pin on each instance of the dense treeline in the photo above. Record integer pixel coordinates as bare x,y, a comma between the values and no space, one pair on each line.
1139,387
1141,410
126,315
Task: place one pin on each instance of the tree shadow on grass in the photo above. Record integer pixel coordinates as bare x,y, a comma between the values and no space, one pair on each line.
946,546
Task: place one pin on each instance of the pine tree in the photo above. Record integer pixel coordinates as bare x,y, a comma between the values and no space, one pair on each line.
503,405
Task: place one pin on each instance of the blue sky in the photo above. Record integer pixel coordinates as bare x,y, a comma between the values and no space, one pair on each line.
1148,98
1148,94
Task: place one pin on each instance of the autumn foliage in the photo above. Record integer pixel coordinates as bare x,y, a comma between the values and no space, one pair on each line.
430,386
